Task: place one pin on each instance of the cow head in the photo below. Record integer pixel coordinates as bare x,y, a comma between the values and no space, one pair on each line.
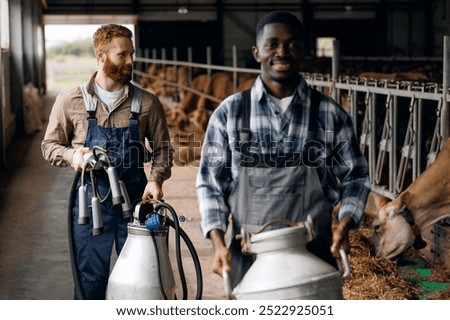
392,235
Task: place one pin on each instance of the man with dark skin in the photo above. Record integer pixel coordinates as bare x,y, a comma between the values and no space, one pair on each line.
289,122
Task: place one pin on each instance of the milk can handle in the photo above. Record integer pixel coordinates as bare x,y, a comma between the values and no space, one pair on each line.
344,264
227,285
281,221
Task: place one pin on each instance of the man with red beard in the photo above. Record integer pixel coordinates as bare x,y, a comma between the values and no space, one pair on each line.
111,113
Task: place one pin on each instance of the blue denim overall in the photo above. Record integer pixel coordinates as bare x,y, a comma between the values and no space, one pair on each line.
273,187
93,253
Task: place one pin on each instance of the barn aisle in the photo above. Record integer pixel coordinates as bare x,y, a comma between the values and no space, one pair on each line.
34,253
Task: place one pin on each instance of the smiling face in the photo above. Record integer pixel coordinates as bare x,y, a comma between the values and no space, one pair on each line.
279,51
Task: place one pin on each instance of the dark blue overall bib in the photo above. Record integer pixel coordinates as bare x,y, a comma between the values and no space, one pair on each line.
93,253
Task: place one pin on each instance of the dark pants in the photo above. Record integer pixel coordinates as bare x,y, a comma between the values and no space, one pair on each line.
93,253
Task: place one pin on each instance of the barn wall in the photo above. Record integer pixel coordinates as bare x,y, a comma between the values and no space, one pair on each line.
239,32
441,24
181,34
22,61
406,34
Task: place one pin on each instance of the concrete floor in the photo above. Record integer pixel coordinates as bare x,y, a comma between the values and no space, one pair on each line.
34,252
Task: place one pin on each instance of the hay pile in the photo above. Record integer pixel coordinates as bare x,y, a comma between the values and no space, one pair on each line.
373,278
378,279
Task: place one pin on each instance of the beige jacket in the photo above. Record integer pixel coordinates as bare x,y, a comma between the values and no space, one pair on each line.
67,128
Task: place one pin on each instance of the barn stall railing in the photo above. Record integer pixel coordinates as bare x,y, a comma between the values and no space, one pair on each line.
401,124
190,65
143,63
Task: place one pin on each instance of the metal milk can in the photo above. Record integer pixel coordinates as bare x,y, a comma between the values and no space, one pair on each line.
143,270
285,270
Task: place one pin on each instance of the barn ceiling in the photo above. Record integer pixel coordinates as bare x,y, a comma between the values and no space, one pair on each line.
67,7
137,6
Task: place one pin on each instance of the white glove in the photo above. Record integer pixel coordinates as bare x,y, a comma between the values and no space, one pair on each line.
78,160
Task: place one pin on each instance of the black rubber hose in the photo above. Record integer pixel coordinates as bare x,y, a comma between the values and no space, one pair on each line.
198,268
73,262
180,233
179,258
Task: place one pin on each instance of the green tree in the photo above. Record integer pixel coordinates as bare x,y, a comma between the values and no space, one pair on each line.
80,48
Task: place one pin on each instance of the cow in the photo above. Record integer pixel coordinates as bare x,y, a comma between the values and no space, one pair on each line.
219,86
398,223
168,74
178,115
152,71
197,109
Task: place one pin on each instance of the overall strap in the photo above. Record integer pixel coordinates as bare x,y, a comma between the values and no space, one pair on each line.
137,99
246,110
313,126
90,102
313,115
135,110
244,134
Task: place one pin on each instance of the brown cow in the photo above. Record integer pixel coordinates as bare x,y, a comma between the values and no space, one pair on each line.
427,200
198,108
220,86
161,88
178,115
152,71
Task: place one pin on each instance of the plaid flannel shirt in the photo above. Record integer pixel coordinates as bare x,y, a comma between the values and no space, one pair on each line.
340,163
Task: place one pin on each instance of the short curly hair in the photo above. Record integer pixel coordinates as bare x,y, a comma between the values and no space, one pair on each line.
280,17
104,35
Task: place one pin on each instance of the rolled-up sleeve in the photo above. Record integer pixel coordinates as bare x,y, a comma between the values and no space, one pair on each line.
214,175
55,146
354,184
157,134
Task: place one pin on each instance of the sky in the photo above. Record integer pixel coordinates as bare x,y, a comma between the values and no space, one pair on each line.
56,34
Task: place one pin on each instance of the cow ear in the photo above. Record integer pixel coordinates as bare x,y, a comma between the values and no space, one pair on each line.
379,200
399,203
405,198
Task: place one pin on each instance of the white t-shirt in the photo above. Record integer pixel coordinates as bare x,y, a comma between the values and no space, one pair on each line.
283,103
108,98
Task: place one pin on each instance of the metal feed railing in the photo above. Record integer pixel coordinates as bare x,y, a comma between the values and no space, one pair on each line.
399,125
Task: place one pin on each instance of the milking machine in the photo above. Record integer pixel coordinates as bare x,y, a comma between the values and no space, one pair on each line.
284,269
143,269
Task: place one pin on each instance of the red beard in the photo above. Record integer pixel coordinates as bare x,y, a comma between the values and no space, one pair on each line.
118,73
